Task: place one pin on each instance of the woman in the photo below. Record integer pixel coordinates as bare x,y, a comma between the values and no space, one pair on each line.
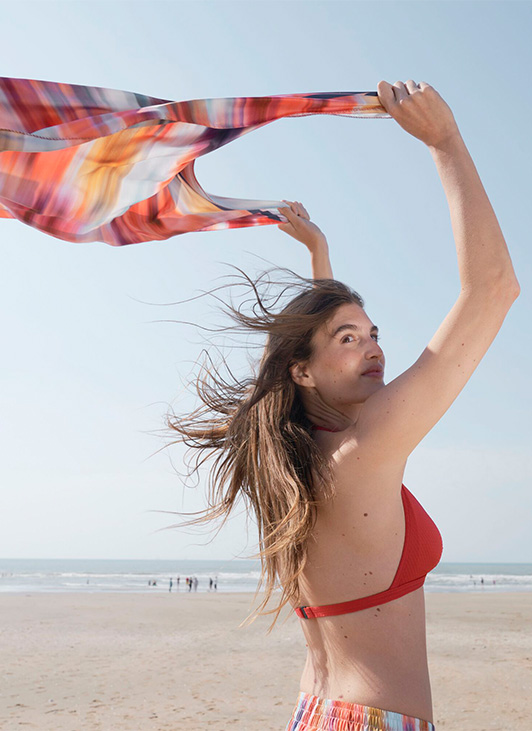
318,444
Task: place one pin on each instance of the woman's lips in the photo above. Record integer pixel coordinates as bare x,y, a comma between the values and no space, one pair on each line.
374,374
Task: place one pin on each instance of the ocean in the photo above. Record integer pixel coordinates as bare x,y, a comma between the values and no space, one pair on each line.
18,575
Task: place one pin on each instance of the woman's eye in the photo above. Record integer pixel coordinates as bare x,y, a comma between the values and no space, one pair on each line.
377,338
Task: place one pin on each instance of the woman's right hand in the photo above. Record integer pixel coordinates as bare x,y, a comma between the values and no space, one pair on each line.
300,227
419,110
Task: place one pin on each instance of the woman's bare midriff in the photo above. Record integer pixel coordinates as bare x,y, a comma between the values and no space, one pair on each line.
376,656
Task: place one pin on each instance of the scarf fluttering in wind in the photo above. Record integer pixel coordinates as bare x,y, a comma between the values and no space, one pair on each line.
85,163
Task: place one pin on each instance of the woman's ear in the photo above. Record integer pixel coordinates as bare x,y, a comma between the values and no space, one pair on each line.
300,374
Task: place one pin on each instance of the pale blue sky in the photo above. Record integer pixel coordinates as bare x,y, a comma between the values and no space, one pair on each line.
87,376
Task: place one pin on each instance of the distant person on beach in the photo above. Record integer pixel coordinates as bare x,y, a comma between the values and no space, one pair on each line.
170,589
316,443
211,582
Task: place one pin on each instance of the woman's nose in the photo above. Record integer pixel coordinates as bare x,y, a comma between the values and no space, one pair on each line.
375,350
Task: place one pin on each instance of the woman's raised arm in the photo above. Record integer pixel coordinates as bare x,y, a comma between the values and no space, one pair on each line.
320,262
395,419
301,228
483,257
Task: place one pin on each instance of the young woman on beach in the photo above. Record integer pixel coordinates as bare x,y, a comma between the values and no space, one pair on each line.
316,443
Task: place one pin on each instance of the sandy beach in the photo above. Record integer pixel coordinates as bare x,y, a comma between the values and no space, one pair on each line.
113,662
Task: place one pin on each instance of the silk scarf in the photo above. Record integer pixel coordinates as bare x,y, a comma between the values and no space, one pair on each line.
86,163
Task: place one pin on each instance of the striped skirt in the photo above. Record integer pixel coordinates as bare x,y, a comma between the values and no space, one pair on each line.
321,714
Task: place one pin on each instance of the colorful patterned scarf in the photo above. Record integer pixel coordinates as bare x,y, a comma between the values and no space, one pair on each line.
85,163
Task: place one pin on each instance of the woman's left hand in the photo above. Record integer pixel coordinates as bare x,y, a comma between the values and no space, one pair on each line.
299,225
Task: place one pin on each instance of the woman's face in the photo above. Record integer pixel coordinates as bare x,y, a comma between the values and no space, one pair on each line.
344,349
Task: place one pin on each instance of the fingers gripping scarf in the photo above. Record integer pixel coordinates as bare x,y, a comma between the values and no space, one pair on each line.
85,163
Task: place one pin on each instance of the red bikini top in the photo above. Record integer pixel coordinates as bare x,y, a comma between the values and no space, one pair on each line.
422,550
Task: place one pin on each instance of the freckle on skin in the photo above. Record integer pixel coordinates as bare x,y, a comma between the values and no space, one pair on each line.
378,609
371,572
365,515
345,637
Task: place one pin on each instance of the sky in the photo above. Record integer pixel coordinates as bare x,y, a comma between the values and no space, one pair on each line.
92,355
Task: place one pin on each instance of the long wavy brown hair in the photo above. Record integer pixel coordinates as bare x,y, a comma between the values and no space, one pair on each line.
262,440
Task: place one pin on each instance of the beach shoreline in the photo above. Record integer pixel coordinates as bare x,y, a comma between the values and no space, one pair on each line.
179,660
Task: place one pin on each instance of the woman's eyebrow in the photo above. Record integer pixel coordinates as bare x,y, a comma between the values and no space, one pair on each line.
348,326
